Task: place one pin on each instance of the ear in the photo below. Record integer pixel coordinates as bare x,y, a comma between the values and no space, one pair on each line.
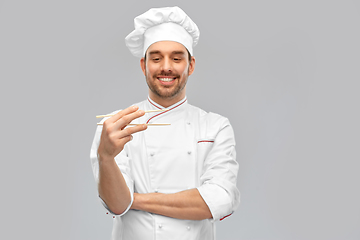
192,65
143,65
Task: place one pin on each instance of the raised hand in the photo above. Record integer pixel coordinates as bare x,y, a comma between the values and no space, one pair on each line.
115,134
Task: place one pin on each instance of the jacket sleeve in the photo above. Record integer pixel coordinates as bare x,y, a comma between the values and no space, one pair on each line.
219,170
123,162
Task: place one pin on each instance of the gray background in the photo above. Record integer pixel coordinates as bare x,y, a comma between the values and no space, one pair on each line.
286,74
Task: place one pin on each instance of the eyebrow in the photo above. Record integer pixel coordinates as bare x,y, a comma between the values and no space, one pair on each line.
178,52
158,52
154,52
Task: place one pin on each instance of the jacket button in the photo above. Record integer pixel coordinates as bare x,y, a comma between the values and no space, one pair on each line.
189,152
152,154
188,227
160,225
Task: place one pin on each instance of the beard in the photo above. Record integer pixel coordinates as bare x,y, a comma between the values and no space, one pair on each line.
166,92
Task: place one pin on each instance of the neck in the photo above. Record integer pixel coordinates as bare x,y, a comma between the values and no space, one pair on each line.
166,102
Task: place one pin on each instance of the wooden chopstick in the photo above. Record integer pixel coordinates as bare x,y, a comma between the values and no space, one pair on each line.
149,111
148,124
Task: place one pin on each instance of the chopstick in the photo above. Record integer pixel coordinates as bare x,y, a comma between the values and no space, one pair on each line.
148,124
149,111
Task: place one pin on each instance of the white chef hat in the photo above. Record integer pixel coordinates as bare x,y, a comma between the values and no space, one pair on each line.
162,24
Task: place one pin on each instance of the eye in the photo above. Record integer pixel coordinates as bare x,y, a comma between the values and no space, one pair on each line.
157,59
177,59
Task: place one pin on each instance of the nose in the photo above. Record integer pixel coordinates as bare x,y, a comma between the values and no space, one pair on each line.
167,65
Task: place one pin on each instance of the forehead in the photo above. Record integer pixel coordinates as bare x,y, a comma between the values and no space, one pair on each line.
166,47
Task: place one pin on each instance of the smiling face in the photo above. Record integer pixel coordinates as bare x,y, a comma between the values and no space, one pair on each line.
167,68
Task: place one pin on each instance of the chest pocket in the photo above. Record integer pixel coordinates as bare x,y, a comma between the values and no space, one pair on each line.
171,159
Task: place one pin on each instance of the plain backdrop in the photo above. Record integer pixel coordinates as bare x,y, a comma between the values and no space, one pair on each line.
286,74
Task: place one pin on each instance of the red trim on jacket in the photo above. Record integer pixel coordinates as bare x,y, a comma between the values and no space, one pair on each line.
164,111
205,141
225,217
153,104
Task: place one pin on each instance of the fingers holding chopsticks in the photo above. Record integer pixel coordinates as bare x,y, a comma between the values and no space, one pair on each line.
114,134
115,117
126,116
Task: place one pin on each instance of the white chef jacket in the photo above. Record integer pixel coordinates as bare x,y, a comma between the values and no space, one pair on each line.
196,151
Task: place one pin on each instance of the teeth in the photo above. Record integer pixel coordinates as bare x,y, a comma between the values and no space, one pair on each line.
166,79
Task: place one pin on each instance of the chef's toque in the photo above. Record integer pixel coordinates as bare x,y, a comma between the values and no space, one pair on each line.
162,24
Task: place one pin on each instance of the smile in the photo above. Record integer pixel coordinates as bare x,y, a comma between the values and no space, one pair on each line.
166,79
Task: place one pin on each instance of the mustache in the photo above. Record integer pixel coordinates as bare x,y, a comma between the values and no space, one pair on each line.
165,74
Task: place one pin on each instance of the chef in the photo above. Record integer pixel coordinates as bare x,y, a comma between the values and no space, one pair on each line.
171,181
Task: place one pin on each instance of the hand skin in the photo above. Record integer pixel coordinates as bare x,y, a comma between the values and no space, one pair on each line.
186,204
112,186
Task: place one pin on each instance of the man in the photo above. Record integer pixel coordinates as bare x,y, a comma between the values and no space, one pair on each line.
172,181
